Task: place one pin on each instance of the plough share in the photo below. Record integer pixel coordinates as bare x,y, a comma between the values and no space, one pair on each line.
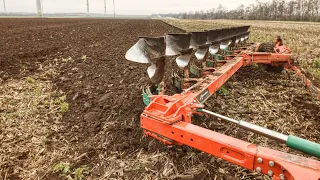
206,61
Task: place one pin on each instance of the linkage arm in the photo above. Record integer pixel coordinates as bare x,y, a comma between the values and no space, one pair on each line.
291,141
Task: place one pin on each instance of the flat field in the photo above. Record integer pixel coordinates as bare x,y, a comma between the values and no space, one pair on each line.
70,105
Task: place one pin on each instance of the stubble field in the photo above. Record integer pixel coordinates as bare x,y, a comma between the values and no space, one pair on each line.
70,103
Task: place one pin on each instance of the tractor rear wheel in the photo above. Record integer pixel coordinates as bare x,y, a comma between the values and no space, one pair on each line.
269,47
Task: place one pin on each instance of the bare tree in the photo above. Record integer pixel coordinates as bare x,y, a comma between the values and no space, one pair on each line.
293,10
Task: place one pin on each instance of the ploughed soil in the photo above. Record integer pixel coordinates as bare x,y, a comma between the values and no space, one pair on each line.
100,131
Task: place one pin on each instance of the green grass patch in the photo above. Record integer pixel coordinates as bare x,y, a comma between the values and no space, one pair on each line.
317,63
80,172
30,80
316,73
62,168
63,105
66,170
223,91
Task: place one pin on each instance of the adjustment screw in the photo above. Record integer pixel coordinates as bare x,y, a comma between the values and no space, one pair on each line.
260,160
271,163
270,173
282,177
258,169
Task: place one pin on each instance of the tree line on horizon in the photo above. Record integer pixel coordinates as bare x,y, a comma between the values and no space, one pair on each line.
277,10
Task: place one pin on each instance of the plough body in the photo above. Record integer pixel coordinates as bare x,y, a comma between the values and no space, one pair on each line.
169,118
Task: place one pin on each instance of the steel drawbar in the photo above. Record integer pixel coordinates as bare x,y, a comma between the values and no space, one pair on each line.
291,141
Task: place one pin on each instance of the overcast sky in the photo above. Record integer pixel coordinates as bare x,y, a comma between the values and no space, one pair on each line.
134,7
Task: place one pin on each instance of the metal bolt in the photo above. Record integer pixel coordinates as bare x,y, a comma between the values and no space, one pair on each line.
282,177
260,160
258,169
270,173
271,163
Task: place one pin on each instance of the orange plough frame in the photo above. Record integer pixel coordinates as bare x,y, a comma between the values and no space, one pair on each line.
169,119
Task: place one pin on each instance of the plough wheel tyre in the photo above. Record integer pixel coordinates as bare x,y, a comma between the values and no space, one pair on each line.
269,47
275,69
266,47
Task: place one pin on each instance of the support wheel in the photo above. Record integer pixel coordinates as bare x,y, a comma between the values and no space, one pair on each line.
269,47
274,69
266,47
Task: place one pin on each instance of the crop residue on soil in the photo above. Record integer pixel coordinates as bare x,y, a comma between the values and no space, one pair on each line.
80,62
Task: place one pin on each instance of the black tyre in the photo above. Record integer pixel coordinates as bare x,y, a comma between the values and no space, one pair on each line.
275,69
269,47
266,47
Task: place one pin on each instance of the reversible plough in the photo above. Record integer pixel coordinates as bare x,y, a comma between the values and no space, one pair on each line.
206,60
